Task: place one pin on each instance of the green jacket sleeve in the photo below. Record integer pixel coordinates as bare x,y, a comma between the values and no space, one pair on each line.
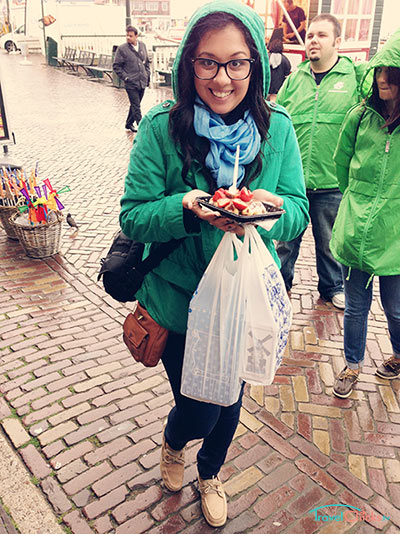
291,188
151,206
345,146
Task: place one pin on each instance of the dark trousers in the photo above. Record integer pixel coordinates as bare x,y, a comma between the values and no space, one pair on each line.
323,211
190,419
135,97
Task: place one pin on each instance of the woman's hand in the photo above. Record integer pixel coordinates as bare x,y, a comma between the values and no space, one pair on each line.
265,196
214,218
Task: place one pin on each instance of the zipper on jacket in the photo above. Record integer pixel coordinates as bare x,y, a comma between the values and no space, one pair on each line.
377,198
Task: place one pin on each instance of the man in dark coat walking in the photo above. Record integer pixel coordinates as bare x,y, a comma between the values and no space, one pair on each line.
131,64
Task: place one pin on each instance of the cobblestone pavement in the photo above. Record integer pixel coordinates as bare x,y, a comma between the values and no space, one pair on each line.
86,419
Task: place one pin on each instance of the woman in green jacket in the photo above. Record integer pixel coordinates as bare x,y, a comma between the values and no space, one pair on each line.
366,234
185,149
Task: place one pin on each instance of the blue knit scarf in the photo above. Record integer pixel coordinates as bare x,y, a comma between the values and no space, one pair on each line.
224,139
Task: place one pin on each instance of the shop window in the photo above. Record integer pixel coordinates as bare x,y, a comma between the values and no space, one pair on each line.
354,6
351,29
338,7
367,7
364,29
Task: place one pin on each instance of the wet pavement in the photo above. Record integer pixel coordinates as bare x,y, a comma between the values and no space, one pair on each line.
86,420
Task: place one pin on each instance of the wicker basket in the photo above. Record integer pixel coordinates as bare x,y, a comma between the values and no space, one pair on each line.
5,214
42,240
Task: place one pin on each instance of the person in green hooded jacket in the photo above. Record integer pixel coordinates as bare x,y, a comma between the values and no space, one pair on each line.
317,96
366,234
185,149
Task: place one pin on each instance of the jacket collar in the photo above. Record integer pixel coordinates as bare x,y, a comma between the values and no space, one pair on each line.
344,66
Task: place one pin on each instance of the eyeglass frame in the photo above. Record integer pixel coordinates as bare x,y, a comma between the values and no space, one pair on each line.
251,62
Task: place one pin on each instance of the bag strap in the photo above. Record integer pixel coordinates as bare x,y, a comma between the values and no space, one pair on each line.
159,253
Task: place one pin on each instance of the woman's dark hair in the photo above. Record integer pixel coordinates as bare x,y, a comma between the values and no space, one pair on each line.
377,102
275,46
182,113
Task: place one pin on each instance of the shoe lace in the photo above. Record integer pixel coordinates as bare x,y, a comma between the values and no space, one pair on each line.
173,457
212,485
349,373
393,363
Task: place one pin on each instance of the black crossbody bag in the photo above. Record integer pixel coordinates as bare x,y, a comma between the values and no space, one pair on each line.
123,269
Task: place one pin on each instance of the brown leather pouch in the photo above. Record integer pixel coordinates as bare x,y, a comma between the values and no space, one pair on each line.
144,338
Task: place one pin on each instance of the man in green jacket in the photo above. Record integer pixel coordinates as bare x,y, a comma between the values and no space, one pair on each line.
317,96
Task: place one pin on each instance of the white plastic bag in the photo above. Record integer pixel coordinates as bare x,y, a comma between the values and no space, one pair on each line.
238,324
267,311
211,361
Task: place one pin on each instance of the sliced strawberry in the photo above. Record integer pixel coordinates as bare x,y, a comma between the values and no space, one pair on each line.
224,203
239,204
219,193
245,194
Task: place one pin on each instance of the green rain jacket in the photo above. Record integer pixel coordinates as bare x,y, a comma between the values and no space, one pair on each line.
366,234
317,113
151,207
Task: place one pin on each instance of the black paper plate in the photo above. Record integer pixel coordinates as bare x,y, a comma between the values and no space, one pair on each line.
272,212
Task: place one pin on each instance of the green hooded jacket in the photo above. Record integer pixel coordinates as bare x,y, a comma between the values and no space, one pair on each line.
317,112
366,234
151,207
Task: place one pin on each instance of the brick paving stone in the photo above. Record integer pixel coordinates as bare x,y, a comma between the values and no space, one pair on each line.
275,500
56,495
243,481
137,525
350,481
115,431
368,514
82,498
115,395
115,479
310,450
38,467
96,508
275,441
387,509
71,470
172,525
274,423
88,477
107,451
143,501
318,475
57,432
15,432
279,476
86,431
76,523
242,503
132,453
103,525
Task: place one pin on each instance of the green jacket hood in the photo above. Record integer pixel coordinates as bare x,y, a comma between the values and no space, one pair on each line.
247,16
388,56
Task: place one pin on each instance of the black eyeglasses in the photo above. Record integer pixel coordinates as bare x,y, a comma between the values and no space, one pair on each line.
236,69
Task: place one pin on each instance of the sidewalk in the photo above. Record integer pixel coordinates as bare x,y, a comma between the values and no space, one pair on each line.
86,420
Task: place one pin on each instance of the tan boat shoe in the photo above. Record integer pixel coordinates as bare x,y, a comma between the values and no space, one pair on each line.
213,501
172,466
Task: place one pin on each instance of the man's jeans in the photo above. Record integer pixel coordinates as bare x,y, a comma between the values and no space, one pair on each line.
323,210
190,419
358,292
